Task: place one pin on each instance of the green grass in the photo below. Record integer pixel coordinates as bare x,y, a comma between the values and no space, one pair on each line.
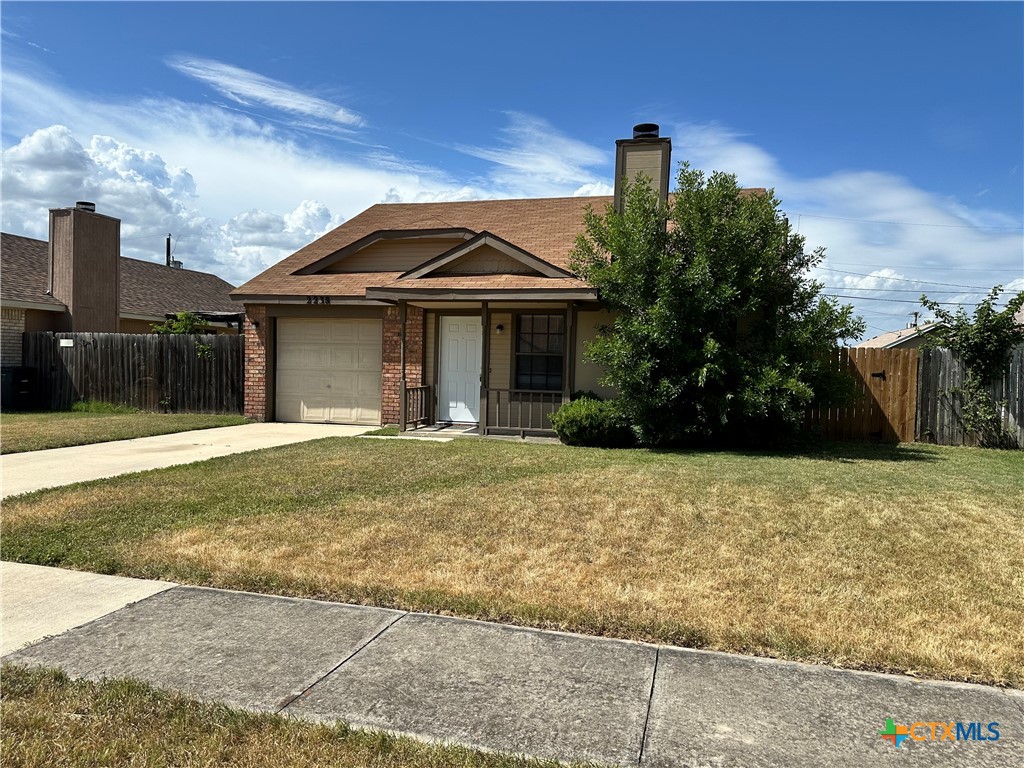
900,559
49,720
389,431
91,423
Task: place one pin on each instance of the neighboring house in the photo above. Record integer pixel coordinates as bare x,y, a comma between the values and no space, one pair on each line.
435,312
81,283
911,337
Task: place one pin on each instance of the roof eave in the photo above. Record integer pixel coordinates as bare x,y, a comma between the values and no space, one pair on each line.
477,294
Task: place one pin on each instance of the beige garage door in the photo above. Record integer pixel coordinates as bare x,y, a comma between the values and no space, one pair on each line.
328,370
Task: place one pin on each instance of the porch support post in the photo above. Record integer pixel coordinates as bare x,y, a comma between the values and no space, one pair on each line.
569,369
485,363
403,310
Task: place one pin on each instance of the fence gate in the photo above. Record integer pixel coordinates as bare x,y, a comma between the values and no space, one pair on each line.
885,401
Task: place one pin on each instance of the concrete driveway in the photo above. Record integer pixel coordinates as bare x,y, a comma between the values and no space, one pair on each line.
24,472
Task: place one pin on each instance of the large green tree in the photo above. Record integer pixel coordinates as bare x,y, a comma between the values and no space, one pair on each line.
719,333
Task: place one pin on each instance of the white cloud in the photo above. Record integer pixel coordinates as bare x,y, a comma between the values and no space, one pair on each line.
248,88
50,168
537,160
877,224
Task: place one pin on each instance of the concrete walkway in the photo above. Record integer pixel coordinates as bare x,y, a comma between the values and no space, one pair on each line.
24,472
523,691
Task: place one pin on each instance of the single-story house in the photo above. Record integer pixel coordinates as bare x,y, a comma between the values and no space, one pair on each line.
911,337
463,313
78,281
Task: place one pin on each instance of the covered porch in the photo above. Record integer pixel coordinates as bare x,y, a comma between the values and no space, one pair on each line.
498,367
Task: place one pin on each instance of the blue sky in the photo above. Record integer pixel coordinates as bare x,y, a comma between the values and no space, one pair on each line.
249,129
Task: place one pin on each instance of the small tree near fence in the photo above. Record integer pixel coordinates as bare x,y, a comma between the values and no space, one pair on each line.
983,343
186,323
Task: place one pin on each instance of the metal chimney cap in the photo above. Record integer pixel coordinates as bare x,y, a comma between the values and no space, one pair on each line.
85,205
646,131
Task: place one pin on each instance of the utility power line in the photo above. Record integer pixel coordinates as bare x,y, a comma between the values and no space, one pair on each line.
895,301
894,290
902,279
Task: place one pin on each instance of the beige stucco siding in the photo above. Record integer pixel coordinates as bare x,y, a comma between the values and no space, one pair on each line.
486,260
501,350
587,374
394,255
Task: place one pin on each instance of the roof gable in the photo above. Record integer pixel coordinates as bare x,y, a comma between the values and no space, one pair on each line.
334,262
479,246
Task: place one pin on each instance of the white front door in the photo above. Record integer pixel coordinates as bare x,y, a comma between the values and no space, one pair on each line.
459,378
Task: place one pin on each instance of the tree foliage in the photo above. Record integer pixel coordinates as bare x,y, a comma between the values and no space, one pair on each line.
186,323
182,323
983,342
718,332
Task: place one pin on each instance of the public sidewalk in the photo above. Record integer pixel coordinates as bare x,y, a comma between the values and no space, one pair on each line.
523,691
33,470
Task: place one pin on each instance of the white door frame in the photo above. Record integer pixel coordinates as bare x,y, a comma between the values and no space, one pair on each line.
459,368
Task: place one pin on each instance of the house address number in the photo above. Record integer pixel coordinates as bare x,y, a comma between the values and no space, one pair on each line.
318,299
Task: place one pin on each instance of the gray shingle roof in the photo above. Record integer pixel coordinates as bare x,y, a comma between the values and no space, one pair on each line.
147,288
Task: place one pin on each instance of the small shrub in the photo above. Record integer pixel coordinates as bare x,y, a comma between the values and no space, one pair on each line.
593,423
590,394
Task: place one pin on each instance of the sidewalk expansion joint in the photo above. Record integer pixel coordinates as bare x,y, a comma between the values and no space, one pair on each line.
650,703
302,694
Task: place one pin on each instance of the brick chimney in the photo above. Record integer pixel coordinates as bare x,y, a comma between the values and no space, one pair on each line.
85,251
645,153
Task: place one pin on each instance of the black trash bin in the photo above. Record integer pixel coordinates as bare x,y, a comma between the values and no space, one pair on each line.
19,390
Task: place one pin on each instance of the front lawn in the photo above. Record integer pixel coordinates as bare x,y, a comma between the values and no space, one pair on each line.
50,720
902,559
21,432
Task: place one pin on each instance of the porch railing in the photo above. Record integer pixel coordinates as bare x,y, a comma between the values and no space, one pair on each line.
419,406
518,411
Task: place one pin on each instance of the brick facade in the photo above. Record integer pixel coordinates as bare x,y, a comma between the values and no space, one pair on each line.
12,325
256,405
391,375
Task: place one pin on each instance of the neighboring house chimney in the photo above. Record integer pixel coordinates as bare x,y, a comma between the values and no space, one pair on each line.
85,251
645,153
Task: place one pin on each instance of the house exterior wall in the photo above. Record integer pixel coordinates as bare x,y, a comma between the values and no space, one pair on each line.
391,376
587,374
394,255
42,320
257,393
12,325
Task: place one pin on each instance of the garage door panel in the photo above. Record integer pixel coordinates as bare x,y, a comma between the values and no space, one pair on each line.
344,358
367,384
369,358
329,370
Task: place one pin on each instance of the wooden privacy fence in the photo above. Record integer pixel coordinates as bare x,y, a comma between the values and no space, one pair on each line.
939,418
154,372
908,394
885,400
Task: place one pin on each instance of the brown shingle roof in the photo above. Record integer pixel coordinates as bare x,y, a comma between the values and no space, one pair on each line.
884,340
25,270
147,288
546,228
